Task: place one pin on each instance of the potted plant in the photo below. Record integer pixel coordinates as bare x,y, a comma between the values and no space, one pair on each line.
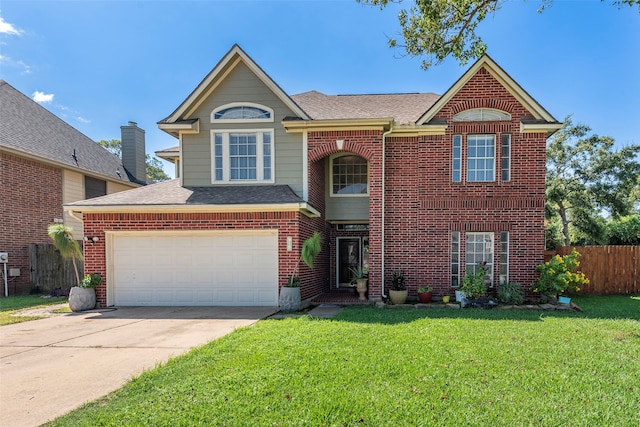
425,294
289,299
473,285
83,297
358,274
398,291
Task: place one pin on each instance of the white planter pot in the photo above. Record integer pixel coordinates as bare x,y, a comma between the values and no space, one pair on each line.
289,299
81,299
459,296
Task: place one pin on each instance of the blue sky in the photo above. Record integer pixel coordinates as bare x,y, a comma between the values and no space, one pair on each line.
99,64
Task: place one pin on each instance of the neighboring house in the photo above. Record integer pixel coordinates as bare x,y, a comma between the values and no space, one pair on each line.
430,184
44,163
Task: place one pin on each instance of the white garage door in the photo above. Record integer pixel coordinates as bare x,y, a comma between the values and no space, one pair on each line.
225,269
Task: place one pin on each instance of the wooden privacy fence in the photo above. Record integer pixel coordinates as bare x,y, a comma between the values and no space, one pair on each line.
49,271
610,269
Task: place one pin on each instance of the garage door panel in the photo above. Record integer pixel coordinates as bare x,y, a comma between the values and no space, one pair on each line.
238,269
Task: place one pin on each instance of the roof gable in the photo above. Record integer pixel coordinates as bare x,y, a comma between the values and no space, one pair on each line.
226,65
28,129
539,113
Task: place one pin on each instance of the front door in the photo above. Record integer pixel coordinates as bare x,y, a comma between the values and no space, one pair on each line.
348,257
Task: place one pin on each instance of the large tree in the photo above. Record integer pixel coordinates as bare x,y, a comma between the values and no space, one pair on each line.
586,178
435,29
154,166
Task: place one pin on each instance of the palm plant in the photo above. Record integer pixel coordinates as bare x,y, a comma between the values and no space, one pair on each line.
310,249
62,238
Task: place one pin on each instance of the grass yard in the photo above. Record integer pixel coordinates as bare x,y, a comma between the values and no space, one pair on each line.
10,305
399,367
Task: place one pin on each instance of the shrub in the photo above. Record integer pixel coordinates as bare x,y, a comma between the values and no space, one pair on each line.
91,281
557,275
511,293
473,283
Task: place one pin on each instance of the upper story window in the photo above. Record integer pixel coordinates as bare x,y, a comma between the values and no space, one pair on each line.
242,112
481,115
349,176
241,156
94,187
481,158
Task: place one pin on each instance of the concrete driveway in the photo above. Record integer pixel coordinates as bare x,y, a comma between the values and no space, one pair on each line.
49,367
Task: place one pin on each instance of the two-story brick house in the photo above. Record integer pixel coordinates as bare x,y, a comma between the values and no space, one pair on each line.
430,184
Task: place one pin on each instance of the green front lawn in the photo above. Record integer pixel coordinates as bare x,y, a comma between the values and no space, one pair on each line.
12,304
399,367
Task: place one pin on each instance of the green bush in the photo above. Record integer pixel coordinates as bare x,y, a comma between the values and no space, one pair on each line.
91,281
557,275
473,284
511,293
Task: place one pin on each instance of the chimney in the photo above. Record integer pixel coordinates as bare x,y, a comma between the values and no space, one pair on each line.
133,151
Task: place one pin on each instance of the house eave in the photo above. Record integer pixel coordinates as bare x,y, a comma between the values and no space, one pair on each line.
175,129
62,165
302,207
548,128
337,124
412,130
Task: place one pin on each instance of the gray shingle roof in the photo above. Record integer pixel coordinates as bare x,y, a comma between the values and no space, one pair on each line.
171,193
405,108
28,127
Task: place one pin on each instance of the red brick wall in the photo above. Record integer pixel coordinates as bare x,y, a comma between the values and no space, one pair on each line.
423,206
287,224
31,198
367,144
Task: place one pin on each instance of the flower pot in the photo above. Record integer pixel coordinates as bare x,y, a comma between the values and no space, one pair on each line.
425,297
361,287
445,299
289,299
81,299
564,300
398,297
459,296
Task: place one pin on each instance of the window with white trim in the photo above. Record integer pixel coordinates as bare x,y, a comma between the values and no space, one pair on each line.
481,158
479,250
481,115
506,157
242,155
456,162
504,257
242,112
455,259
349,176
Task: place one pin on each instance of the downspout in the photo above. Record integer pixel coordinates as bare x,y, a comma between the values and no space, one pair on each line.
72,214
384,144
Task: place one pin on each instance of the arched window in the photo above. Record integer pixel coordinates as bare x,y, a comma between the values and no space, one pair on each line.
481,115
349,176
242,112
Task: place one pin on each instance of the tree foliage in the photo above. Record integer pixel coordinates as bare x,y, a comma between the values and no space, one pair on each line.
587,177
435,29
155,172
624,231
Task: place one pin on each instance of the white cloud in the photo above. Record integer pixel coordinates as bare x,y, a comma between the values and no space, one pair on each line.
42,98
82,119
6,28
5,60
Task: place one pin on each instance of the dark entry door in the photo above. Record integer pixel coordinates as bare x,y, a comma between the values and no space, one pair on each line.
348,257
